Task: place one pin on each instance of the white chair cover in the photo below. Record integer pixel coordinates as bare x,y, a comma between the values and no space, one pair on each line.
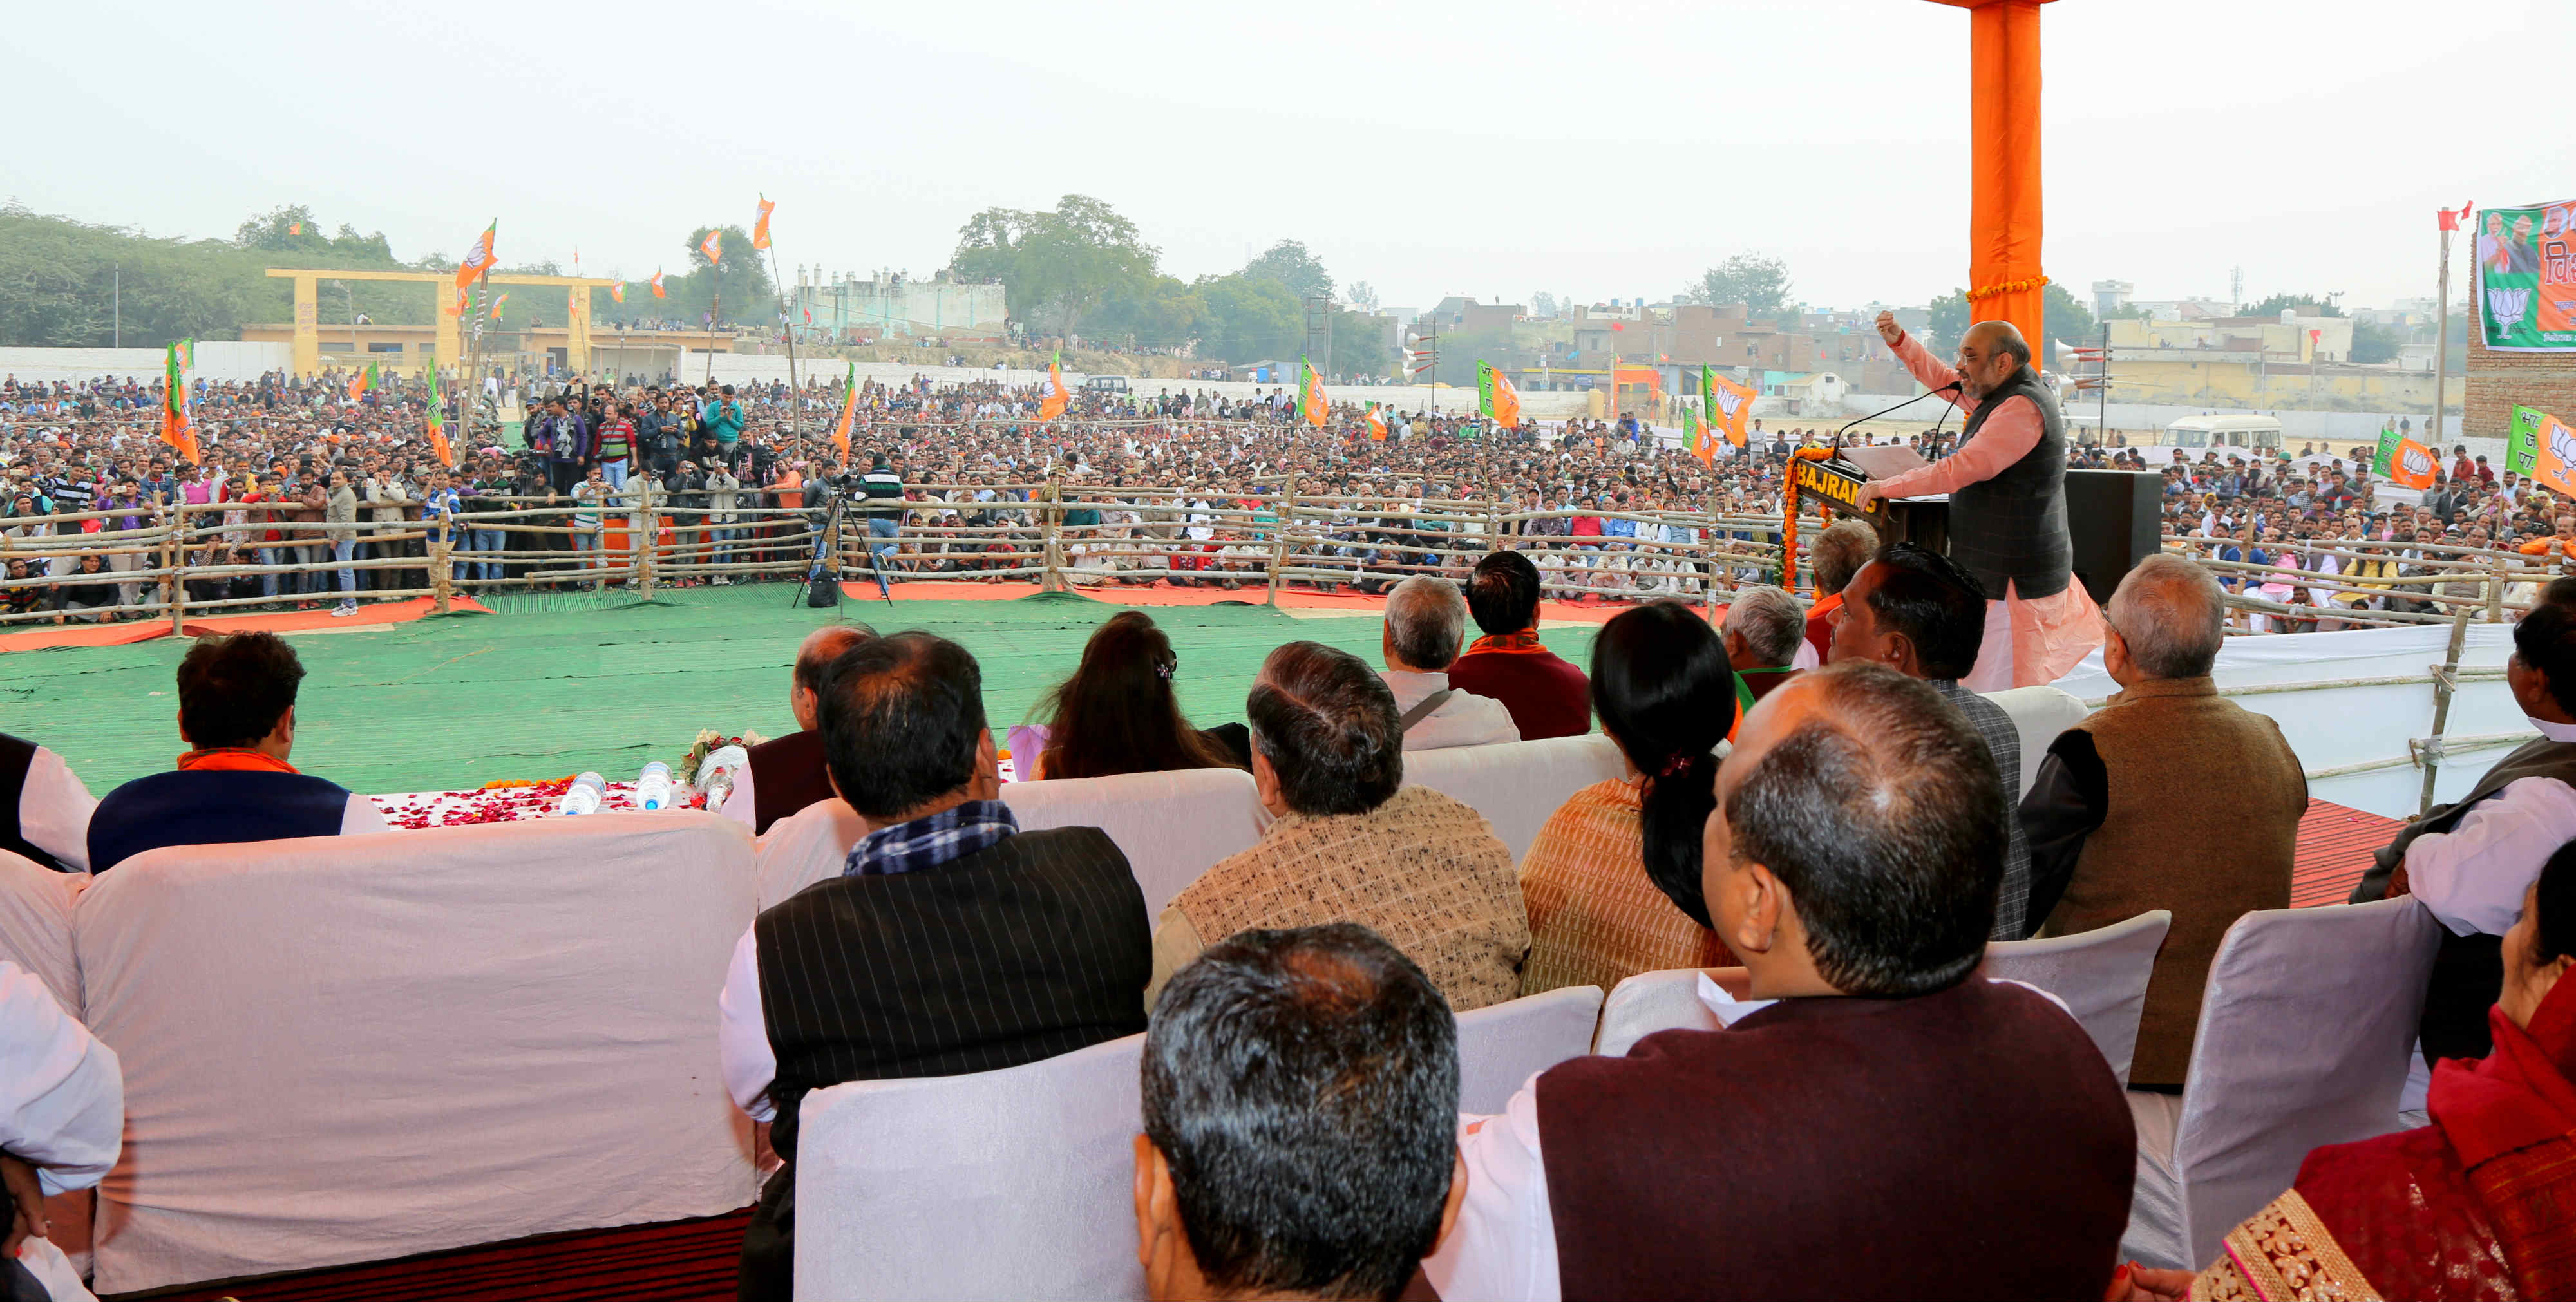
1649,1002
1171,826
2303,1040
2041,713
1005,1184
344,1049
2101,975
1501,1045
36,925
1516,785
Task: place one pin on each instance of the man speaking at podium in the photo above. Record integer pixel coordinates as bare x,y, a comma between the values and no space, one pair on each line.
2007,487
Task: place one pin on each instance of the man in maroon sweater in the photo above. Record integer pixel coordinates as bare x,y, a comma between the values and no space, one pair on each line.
1876,1120
1547,696
787,772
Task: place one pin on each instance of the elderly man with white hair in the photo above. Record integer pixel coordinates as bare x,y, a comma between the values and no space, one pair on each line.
1762,632
1426,627
2106,842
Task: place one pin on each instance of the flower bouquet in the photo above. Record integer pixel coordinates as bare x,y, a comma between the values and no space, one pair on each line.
708,742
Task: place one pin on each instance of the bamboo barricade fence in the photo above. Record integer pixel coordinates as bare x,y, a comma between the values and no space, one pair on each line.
216,557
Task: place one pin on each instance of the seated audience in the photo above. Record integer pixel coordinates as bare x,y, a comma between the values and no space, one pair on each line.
2105,842
1612,882
237,714
2468,862
2470,1207
1763,631
1918,612
1350,842
1014,946
62,1124
1875,1122
1117,713
788,773
1835,556
1301,1119
49,806
1426,623
1547,697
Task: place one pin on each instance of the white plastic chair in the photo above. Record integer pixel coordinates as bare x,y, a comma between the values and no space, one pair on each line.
1516,785
1003,1184
2101,975
1649,1002
1501,1045
2040,713
2304,1037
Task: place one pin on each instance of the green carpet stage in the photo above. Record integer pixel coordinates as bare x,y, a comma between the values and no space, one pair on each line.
555,684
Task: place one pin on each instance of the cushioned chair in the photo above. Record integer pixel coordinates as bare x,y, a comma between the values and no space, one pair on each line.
1005,1184
1171,826
344,1049
2041,713
2100,975
2304,1038
1501,1045
1649,1002
36,925
1516,785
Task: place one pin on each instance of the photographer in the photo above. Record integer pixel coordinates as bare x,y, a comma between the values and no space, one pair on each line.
689,532
882,493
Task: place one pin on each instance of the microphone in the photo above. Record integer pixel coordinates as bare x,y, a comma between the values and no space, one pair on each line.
1951,387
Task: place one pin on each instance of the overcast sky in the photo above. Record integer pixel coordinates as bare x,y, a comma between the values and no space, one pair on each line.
1436,147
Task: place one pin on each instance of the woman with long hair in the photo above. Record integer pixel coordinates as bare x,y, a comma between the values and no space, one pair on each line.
1613,882
1117,714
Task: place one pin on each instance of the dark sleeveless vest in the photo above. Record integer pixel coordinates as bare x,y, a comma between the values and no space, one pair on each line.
211,807
2012,528
1034,947
16,754
2468,971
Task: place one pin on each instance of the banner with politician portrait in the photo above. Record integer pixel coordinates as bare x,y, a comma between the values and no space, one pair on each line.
2526,285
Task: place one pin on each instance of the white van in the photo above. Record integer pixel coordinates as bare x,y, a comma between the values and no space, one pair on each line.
2229,431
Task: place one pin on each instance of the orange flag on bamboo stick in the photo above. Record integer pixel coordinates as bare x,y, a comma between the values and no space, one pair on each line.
1053,405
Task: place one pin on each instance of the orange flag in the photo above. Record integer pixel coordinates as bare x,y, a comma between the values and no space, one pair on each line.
713,246
1376,424
1054,403
760,225
176,429
657,284
617,293
2554,463
496,305
478,259
2413,465
849,415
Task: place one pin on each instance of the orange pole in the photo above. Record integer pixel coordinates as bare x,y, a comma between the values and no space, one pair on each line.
2005,213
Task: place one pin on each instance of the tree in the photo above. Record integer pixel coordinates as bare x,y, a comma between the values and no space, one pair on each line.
747,293
1293,268
1249,319
1360,345
1363,295
2065,317
2374,343
1949,321
1056,267
2303,304
1760,284
1542,303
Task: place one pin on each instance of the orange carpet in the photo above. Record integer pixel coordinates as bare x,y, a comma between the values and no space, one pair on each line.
2335,845
117,634
1162,593
286,621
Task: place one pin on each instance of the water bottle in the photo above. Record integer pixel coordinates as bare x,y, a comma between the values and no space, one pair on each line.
653,786
717,772
584,795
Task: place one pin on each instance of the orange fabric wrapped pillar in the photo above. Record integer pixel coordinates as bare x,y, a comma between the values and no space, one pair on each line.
2005,277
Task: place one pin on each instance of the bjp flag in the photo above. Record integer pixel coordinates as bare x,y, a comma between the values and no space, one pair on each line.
1058,397
478,259
617,293
1376,424
361,381
496,304
657,284
1729,405
713,246
1696,437
760,225
2554,460
437,419
1500,402
176,429
1312,406
2413,465
849,415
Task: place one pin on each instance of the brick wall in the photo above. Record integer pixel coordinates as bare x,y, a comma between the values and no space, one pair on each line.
2499,382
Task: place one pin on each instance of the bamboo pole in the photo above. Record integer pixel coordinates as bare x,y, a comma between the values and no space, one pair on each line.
2444,684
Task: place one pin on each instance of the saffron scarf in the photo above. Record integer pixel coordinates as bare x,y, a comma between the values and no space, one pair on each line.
232,759
2509,1116
1523,642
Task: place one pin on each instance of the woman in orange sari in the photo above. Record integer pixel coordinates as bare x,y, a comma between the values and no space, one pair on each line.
2481,1204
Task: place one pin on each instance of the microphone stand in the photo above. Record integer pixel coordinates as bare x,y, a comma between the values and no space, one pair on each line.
1951,387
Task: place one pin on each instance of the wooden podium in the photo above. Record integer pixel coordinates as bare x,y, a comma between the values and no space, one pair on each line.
1834,483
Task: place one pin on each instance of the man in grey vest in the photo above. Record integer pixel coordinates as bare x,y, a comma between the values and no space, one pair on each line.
2470,862
2007,487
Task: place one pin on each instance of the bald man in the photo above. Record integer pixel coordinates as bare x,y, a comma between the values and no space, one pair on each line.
2007,487
787,773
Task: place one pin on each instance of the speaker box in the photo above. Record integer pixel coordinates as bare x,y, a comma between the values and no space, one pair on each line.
2113,520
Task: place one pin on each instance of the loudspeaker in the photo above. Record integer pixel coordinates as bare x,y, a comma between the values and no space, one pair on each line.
2114,520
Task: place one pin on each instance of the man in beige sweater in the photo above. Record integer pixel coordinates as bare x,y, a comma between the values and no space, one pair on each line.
1351,843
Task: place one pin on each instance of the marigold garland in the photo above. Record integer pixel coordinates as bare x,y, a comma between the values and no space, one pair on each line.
2008,287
